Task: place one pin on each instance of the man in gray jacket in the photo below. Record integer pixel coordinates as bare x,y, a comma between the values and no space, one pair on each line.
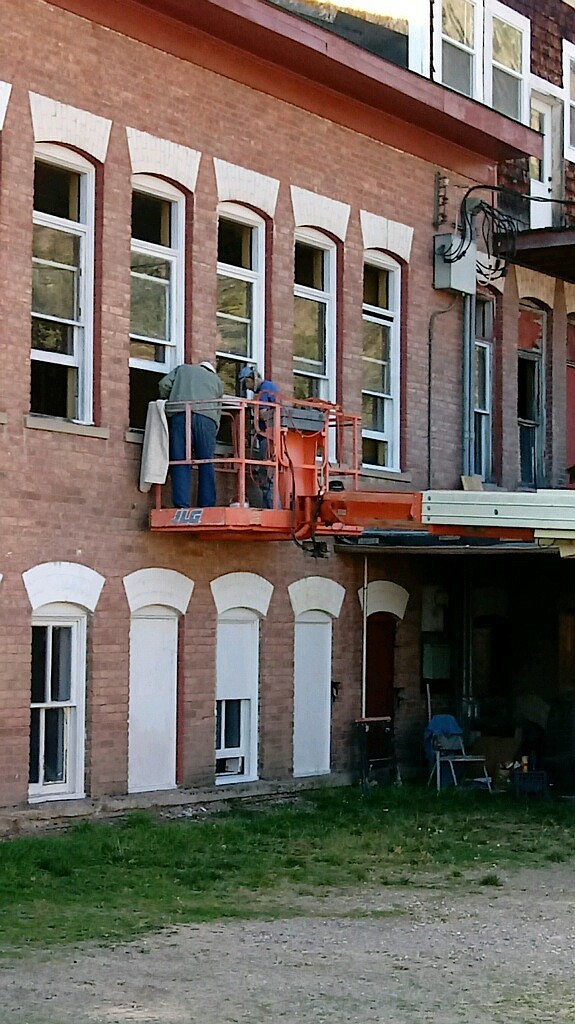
200,385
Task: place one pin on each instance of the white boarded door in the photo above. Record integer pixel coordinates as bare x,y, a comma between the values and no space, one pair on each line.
312,694
153,694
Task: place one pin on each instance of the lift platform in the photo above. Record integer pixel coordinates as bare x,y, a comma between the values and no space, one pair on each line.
303,459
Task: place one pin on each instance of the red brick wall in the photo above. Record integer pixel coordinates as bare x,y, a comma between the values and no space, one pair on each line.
74,498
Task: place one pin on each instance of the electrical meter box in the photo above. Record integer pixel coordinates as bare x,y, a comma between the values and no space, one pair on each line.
457,276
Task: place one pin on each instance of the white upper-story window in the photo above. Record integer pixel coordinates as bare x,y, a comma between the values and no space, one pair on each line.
62,285
483,389
240,292
157,289
314,342
381,361
569,92
507,61
459,46
481,49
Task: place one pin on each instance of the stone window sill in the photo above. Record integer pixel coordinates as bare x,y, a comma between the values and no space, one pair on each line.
58,426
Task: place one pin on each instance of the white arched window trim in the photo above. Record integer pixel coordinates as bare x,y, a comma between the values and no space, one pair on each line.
327,296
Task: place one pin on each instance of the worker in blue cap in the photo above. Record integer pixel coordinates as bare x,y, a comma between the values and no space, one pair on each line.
252,385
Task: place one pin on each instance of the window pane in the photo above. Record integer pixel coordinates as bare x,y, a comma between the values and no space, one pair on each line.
309,266
527,378
376,376
235,244
376,287
484,319
147,350
35,746
54,291
54,389
56,246
376,340
305,387
151,266
219,724
373,413
61,663
151,219
52,337
149,308
507,45
232,736
457,20
55,745
572,125
480,377
309,331
56,191
457,69
374,453
233,336
234,297
506,94
38,664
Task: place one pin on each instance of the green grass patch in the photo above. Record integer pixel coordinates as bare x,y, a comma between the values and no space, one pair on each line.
110,882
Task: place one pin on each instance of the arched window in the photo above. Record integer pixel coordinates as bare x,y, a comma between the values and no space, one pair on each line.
157,289
314,343
240,292
381,361
62,284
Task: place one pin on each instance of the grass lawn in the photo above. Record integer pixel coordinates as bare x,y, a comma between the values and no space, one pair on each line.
109,882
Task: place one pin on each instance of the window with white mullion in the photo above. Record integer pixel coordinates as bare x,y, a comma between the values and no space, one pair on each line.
507,61
314,345
62,276
56,708
153,333
482,410
380,362
458,46
240,312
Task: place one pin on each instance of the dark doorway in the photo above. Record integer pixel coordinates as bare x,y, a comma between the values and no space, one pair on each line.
380,647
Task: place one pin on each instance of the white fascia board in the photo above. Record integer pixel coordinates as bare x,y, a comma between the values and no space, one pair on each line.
540,510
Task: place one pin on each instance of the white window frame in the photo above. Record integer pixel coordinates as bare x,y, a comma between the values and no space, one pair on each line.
71,616
484,414
175,255
83,357
476,52
494,9
392,318
568,99
249,698
328,297
256,276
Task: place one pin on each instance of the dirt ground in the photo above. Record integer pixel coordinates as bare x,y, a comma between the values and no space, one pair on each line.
492,955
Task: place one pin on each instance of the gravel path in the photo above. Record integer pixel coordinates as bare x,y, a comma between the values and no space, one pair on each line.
493,956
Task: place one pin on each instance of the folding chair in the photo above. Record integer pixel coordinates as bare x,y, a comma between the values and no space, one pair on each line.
444,746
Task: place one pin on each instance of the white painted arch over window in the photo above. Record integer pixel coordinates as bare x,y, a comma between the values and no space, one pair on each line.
63,582
58,122
531,285
241,185
152,155
241,590
382,233
384,596
313,210
316,593
158,587
5,90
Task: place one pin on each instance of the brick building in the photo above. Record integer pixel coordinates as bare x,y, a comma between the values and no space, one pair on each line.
161,162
